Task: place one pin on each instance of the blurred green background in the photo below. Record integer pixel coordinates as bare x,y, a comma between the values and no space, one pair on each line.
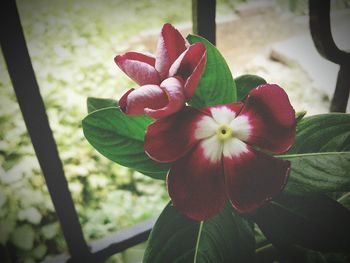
72,45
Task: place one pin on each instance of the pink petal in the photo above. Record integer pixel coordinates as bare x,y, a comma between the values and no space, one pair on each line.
271,117
190,66
135,101
170,45
168,139
253,178
139,67
123,100
174,91
193,80
196,186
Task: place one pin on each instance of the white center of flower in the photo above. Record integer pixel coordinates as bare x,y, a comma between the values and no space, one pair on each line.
223,134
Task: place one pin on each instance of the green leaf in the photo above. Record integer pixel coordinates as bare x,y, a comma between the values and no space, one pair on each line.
120,137
40,251
320,157
317,257
246,83
318,173
6,228
50,231
31,214
216,85
23,237
316,222
323,133
320,163
94,104
224,238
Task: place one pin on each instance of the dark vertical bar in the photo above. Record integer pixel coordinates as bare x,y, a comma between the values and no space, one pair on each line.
342,89
320,28
31,104
203,19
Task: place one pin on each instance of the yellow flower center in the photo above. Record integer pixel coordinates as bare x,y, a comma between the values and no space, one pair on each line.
224,132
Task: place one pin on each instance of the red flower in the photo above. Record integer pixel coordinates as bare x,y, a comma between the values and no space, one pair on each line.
168,80
215,152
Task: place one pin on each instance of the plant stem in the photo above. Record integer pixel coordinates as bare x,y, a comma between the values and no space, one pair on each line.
198,238
289,156
343,197
263,248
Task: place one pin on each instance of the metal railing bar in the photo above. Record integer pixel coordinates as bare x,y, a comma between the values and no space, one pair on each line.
342,90
123,239
115,243
320,28
33,110
203,19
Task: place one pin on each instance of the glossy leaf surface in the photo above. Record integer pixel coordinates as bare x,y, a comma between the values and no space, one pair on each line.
216,85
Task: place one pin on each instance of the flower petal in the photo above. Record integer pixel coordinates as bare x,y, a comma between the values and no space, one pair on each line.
241,127
123,101
173,89
224,113
196,186
206,127
170,138
212,149
139,67
190,66
170,45
252,178
271,118
137,101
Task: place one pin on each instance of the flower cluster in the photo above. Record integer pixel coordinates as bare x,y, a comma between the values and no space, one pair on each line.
218,153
